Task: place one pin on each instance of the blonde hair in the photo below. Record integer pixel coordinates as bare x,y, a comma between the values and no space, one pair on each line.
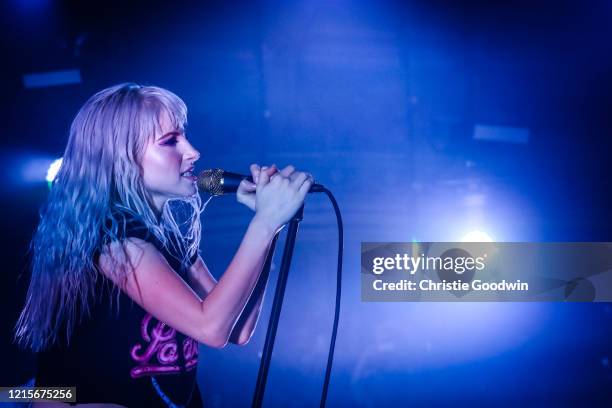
99,182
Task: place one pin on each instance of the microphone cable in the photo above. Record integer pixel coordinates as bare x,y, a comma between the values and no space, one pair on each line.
332,346
218,182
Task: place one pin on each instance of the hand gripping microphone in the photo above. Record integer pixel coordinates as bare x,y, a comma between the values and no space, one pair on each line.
217,182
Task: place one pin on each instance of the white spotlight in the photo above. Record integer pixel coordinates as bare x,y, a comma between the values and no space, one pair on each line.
53,169
476,236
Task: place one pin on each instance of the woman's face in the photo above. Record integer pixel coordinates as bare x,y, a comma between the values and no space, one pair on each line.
167,164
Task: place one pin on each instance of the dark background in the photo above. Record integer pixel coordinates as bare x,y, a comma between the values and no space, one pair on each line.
379,100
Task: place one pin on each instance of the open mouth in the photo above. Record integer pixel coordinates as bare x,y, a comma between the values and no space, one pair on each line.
189,175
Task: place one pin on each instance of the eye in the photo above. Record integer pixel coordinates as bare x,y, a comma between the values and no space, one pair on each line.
170,141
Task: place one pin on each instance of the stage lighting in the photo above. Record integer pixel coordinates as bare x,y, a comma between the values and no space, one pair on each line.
477,236
52,171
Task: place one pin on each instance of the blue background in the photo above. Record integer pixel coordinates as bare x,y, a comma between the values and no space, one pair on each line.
379,100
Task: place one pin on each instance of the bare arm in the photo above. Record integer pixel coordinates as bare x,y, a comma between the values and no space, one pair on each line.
156,287
248,319
201,281
246,195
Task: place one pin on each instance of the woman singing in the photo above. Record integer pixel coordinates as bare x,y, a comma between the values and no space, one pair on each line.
119,297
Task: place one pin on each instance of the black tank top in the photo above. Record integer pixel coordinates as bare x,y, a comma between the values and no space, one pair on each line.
125,356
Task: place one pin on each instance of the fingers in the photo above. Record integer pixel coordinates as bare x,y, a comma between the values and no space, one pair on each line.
304,188
246,185
287,171
288,175
269,170
291,177
298,179
255,169
264,176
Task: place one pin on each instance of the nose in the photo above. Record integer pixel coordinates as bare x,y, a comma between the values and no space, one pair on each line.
191,153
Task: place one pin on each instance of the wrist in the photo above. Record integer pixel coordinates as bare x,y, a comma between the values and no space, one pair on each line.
263,226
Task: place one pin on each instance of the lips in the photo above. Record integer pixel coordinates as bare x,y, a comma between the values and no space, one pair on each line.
187,173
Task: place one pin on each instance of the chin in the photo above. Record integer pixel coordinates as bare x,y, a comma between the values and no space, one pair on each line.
193,191
181,194
185,191
188,193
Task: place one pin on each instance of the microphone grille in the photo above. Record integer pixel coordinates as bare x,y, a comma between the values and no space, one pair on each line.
211,181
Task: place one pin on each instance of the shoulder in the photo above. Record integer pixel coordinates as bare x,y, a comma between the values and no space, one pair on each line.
118,258
128,238
156,287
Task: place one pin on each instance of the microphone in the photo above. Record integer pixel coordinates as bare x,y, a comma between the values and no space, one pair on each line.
217,182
